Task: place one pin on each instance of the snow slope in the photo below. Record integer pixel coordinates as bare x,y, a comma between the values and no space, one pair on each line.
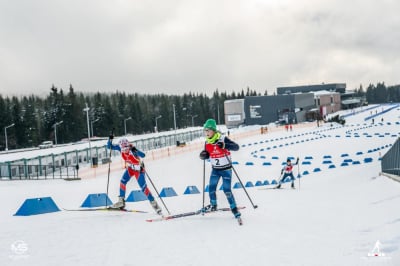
334,217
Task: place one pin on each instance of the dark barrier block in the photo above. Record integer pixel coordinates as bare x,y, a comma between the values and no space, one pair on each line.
136,195
249,184
237,185
168,192
367,160
96,200
37,206
191,190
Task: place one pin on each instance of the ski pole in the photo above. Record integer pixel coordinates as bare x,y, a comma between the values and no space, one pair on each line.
155,189
204,180
241,183
298,171
109,162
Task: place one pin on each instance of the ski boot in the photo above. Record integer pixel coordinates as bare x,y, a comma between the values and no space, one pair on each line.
120,204
209,208
236,212
237,215
156,207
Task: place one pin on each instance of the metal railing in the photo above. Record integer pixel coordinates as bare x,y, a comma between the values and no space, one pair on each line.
66,164
36,172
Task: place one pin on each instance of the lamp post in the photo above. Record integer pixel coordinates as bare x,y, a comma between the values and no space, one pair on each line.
193,116
5,133
88,130
158,117
91,126
55,130
126,119
173,107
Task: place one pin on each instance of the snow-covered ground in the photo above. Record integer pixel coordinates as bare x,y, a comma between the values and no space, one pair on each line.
335,216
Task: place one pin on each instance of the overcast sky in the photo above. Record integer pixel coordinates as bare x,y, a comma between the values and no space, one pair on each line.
175,47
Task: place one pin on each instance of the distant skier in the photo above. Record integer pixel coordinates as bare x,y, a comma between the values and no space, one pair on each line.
134,168
287,171
217,149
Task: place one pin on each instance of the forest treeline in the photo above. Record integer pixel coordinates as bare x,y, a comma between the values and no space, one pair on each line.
29,120
62,116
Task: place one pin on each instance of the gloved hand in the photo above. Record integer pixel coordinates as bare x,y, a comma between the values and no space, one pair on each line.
204,155
142,166
281,171
221,144
297,161
111,136
133,149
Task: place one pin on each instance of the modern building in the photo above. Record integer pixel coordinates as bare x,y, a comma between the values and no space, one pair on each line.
287,109
327,102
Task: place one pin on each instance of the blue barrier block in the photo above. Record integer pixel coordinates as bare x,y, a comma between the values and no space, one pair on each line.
305,172
308,158
275,157
191,190
136,195
249,163
168,192
317,169
367,160
266,163
96,200
344,155
235,162
327,156
237,185
249,184
37,206
274,182
266,183
206,189
356,162
348,160
327,162
344,164
332,166
359,153
306,162
258,184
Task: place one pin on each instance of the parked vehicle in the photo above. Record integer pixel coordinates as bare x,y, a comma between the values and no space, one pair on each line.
46,144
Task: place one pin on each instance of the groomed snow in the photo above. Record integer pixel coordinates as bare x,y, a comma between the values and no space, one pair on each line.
333,217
